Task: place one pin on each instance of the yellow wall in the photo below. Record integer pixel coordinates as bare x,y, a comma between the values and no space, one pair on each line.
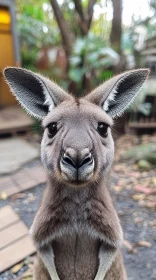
6,56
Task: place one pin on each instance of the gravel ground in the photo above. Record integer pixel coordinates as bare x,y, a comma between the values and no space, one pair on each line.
137,226
137,223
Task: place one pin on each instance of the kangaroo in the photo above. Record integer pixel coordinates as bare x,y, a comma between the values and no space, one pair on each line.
76,231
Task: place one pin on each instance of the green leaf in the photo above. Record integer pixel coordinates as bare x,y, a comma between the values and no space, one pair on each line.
145,108
75,60
92,57
76,74
105,75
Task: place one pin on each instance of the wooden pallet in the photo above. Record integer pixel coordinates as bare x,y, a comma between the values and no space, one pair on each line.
23,180
14,119
142,125
15,242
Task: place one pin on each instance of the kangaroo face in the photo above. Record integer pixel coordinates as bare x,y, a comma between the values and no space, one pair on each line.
77,144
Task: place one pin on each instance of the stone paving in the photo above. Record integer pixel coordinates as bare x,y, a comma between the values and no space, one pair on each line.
14,153
22,180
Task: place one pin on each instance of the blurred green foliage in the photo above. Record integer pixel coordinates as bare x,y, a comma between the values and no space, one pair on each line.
90,56
36,27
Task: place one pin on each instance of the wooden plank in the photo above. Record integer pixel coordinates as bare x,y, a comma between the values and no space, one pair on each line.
142,125
5,181
16,252
9,191
14,119
24,180
12,234
15,242
7,216
38,174
7,186
14,130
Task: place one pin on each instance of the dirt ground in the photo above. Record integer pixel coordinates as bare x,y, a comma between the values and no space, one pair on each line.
135,206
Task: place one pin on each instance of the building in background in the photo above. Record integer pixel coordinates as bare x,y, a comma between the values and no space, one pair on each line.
12,118
9,47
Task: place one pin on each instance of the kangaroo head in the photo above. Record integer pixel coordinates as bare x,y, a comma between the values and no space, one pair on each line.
77,146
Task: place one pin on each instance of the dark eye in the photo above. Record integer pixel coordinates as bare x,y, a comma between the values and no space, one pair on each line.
102,129
52,129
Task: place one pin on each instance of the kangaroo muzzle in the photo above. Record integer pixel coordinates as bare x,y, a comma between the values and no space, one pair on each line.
77,166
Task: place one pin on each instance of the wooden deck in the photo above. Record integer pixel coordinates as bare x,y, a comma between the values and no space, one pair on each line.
15,242
142,125
14,119
22,180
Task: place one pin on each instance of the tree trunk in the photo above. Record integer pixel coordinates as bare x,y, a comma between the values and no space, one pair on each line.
84,17
116,31
83,21
66,33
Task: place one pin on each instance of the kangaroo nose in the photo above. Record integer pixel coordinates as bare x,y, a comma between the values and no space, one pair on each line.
69,161
71,158
88,159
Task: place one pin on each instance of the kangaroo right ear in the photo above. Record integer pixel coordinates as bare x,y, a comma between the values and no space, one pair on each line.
37,94
115,95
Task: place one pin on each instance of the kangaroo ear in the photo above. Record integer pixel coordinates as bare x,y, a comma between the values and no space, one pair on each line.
37,94
115,95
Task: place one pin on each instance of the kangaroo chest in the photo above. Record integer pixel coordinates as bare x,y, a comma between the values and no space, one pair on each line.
76,250
82,236
76,256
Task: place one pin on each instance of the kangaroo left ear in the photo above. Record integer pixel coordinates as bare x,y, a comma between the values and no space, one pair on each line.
115,95
37,94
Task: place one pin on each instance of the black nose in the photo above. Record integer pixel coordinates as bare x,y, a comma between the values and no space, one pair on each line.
77,161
